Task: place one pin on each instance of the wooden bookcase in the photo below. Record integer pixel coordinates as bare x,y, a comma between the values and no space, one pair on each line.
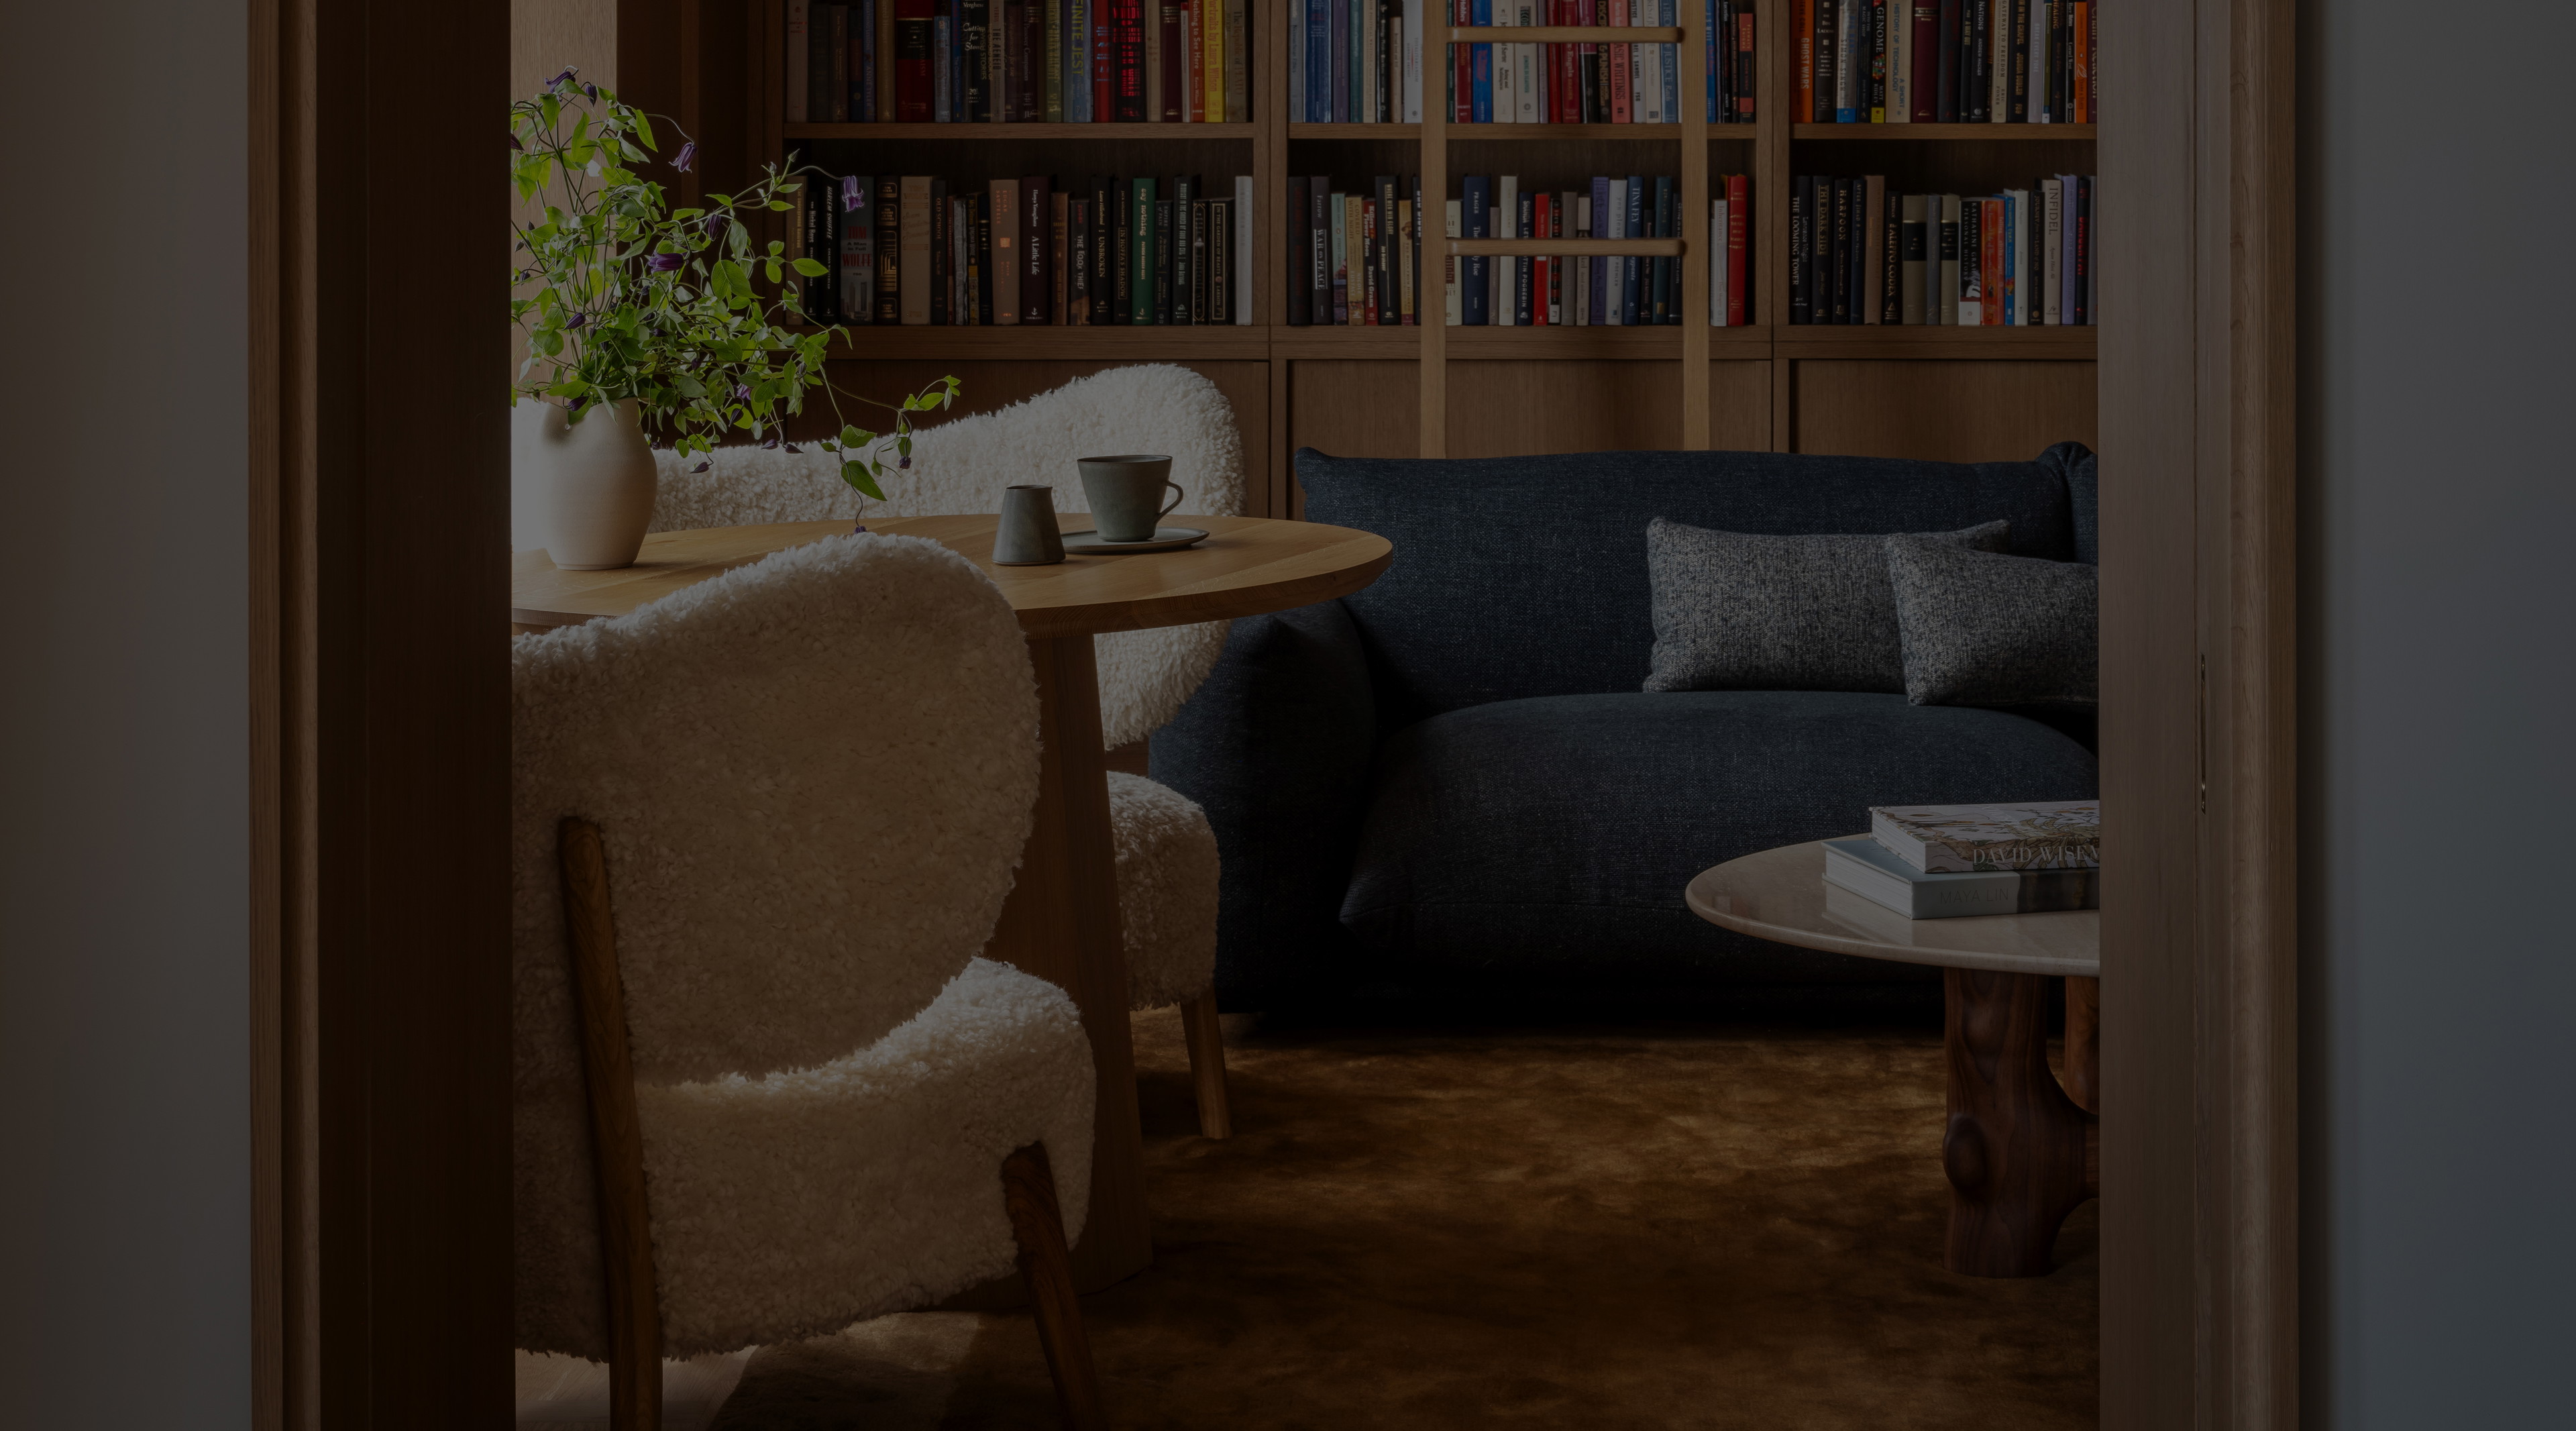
1967,394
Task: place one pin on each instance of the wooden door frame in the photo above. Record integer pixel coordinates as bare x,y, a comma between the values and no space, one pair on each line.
380,720
380,1008
2199,689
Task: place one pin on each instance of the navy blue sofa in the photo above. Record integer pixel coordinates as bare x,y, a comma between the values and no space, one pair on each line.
1451,780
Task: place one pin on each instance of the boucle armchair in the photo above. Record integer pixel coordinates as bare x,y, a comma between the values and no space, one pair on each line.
1167,854
767,1088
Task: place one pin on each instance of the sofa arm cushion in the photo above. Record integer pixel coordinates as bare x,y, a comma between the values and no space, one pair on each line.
1276,747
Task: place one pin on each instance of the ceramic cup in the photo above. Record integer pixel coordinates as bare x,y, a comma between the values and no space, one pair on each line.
1126,495
1028,534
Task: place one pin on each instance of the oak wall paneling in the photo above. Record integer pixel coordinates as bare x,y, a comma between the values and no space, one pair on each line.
1947,411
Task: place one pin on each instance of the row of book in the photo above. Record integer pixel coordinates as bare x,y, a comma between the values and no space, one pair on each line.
1946,61
1360,62
1356,258
1018,61
1860,252
915,249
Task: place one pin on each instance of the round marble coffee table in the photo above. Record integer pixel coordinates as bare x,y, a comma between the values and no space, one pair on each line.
2021,1151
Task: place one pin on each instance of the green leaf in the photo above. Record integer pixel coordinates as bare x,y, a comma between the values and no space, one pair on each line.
857,475
810,268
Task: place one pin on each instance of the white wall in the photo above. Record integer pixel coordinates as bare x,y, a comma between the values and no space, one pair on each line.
124,1138
2440,497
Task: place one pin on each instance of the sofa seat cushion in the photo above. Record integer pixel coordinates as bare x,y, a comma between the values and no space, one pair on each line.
1548,840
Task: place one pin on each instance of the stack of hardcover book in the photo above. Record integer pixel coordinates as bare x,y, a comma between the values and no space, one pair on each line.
1948,861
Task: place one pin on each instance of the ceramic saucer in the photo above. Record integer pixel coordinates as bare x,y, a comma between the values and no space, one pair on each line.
1165,539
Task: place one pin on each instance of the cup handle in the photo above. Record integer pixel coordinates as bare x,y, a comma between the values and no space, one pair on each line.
1178,497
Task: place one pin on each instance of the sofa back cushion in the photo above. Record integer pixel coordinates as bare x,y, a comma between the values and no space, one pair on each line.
1526,576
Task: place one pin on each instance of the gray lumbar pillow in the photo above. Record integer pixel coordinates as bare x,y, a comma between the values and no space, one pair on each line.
1984,629
1738,612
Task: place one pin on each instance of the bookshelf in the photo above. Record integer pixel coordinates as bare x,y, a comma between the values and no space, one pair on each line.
1943,392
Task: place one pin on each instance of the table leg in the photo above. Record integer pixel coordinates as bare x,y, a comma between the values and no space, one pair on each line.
1061,924
2083,1076
2020,1155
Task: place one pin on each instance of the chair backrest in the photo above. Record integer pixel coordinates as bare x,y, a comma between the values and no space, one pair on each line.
1526,576
963,465
813,775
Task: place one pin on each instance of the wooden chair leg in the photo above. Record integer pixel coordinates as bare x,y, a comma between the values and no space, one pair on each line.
1207,1065
1028,1195
617,1135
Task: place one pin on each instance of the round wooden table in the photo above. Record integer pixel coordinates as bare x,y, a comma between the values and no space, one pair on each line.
1061,922
2021,1150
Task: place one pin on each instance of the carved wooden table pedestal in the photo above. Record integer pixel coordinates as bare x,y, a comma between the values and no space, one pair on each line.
2022,1147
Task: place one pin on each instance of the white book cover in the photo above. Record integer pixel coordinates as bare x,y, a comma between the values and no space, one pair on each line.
1717,263
1412,61
2051,199
1900,62
2039,835
1449,272
1242,249
799,20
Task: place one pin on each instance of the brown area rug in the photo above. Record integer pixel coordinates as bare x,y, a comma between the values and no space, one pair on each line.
1457,1228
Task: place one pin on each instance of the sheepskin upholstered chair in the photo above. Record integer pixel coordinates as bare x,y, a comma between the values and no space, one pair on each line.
1167,858
763,1085
962,467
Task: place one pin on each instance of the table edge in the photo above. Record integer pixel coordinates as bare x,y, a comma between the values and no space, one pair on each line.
1139,615
1866,948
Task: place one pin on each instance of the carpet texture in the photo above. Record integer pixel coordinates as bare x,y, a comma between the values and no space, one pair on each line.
1460,1228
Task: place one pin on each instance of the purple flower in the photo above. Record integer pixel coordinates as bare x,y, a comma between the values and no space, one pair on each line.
905,465
576,321
687,156
558,81
590,91
714,226
665,262
859,530
701,467
799,451
769,445
742,391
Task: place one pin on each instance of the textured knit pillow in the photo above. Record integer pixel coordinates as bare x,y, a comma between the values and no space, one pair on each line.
1738,612
1985,629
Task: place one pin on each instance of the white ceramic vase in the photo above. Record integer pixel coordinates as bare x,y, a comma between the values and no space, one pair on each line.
587,485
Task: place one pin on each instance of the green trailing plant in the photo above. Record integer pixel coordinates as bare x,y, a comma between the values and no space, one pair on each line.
621,296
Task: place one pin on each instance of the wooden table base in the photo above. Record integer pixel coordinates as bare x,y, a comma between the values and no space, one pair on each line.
1061,924
2020,1154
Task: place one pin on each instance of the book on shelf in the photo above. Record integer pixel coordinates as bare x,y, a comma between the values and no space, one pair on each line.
915,249
2035,835
1945,61
2019,258
1365,62
1353,256
1863,866
1018,61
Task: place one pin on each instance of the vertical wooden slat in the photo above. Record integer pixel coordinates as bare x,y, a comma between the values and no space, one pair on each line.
1690,287
1434,145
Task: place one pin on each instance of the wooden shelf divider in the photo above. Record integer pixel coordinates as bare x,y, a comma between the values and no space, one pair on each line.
1764,149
